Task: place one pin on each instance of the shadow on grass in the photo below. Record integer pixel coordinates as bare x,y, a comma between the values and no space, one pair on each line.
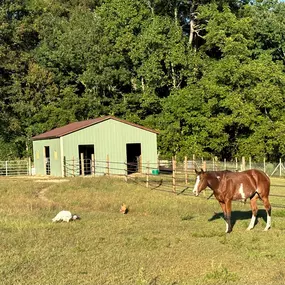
240,215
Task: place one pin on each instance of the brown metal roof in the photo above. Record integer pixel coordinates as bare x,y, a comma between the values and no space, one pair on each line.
73,127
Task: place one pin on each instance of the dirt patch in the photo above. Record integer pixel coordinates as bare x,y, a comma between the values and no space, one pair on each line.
52,180
42,196
42,193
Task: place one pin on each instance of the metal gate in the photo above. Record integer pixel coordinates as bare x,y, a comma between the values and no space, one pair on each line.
14,167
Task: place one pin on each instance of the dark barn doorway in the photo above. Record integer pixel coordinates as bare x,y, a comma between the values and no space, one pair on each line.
47,160
133,157
88,152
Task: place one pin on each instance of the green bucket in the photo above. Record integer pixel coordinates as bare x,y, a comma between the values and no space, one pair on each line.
155,172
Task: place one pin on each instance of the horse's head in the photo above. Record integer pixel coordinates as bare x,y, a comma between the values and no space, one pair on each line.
201,182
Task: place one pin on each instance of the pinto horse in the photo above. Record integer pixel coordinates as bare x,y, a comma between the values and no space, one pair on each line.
228,186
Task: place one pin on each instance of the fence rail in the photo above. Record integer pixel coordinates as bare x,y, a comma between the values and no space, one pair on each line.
15,167
76,167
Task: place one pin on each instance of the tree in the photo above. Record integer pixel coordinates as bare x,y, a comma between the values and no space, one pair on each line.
269,19
234,103
18,38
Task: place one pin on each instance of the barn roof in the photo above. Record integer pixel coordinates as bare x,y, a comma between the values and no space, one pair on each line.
76,126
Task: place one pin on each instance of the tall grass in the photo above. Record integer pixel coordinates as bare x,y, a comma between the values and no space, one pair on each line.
164,238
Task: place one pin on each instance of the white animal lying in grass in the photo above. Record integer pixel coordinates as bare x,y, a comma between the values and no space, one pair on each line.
65,216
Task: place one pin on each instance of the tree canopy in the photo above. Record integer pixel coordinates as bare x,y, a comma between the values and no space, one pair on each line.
209,75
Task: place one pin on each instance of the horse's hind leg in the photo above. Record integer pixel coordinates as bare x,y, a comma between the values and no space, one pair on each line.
228,216
227,207
268,211
254,210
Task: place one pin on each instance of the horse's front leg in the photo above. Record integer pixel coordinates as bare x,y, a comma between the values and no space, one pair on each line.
227,209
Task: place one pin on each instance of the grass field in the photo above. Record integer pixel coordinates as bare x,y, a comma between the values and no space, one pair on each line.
164,239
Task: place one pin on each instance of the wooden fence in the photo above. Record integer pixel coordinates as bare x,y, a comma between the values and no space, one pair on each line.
174,168
167,175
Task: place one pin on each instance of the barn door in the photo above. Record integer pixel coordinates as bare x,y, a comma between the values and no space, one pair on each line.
47,160
88,152
133,157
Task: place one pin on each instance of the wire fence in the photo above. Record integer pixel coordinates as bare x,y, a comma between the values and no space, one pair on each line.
76,167
270,168
177,177
81,166
174,175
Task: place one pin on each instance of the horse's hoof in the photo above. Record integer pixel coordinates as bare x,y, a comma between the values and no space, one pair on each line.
249,229
266,229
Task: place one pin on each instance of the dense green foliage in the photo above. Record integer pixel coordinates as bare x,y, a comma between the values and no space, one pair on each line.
209,75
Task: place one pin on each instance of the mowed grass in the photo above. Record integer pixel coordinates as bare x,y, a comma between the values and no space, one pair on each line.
164,239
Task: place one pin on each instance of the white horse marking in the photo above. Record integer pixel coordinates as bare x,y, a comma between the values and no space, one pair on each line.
227,227
252,223
241,191
268,223
195,190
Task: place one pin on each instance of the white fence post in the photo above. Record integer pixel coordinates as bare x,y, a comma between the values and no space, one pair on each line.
264,164
29,172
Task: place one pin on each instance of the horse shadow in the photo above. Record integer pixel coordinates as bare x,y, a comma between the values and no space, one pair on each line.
240,215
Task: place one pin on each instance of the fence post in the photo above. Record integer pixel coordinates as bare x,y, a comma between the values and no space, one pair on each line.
126,171
204,165
82,164
73,167
185,169
6,167
140,164
264,166
29,166
147,175
225,163
173,174
64,166
158,162
280,167
108,165
92,164
194,163
243,163
249,161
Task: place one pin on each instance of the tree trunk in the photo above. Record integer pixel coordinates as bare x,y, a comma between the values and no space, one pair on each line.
191,32
176,16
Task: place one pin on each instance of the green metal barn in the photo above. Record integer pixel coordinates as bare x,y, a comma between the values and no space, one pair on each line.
106,145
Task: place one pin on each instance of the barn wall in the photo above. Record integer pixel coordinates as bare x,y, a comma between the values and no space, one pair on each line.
55,156
110,138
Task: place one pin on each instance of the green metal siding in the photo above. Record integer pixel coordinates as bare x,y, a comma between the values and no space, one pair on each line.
108,137
55,156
